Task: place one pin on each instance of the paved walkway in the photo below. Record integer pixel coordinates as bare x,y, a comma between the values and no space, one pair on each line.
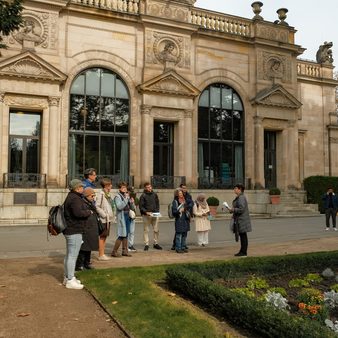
33,303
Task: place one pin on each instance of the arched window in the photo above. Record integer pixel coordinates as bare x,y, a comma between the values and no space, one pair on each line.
99,124
220,137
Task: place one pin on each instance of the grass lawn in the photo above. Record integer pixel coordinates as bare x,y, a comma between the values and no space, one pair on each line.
134,297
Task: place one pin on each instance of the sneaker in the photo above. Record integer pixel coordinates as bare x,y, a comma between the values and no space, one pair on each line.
335,229
73,284
146,247
179,251
173,248
65,281
131,248
185,250
327,229
157,247
103,258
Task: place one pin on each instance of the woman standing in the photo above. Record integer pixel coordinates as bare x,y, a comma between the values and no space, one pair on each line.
201,211
105,206
76,214
182,221
241,218
91,232
123,203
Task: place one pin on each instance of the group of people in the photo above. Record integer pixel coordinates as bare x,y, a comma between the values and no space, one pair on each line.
89,216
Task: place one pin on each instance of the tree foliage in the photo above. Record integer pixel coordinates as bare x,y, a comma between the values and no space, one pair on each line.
10,17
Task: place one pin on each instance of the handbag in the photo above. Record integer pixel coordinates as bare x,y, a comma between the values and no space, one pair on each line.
101,226
132,214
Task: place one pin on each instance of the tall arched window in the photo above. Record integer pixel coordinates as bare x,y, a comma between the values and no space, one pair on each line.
99,124
220,137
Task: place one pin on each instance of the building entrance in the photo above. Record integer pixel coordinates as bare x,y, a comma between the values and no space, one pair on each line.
270,159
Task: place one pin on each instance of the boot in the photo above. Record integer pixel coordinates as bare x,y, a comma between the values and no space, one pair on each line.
125,247
87,264
79,266
116,247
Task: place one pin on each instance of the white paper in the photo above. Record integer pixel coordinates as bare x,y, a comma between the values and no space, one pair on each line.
156,214
226,205
180,206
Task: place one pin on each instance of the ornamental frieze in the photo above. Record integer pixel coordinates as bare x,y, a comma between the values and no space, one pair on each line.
168,10
28,102
270,33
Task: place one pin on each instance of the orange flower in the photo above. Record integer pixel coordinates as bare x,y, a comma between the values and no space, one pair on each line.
301,306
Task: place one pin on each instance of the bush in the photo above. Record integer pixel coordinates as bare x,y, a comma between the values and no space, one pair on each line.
274,191
213,201
316,186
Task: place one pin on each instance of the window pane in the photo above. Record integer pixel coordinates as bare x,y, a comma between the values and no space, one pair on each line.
107,84
203,123
16,147
122,115
226,98
76,120
237,102
161,132
93,82
215,97
215,159
215,124
24,124
107,114
204,99
93,112
76,156
237,126
226,164
92,152
226,125
32,156
78,85
107,151
121,91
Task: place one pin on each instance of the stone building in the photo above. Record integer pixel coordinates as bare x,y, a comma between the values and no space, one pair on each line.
160,91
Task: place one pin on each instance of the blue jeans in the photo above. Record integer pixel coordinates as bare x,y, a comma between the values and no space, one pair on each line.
73,244
131,233
180,240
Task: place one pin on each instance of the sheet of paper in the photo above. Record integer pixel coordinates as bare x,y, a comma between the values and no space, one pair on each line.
226,205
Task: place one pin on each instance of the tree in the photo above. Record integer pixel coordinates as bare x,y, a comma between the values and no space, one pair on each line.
10,17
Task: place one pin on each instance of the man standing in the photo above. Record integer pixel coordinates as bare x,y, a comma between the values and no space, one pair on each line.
330,202
89,178
148,204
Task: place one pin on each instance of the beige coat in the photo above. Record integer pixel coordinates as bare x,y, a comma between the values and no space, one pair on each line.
202,223
103,207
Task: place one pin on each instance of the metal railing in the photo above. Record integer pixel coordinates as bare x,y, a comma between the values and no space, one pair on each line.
219,182
166,182
16,180
115,179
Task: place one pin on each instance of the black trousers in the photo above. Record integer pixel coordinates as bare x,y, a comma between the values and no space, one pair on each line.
244,243
330,212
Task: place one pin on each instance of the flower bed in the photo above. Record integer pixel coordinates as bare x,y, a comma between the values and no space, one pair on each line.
271,297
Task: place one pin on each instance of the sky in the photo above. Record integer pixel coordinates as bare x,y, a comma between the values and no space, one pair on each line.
314,21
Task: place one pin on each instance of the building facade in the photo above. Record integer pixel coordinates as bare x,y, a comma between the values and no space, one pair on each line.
160,91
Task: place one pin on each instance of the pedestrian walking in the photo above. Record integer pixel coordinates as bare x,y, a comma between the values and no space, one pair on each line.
330,202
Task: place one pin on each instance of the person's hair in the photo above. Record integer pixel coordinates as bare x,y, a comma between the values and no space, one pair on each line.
177,191
105,181
183,185
240,187
88,172
329,188
122,184
146,183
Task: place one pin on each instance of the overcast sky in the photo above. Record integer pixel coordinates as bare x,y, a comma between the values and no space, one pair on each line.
315,21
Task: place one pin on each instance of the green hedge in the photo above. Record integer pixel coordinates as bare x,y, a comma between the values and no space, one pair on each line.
316,186
195,281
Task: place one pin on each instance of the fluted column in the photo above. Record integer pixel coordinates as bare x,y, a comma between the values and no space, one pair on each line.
147,139
53,142
293,159
188,145
259,153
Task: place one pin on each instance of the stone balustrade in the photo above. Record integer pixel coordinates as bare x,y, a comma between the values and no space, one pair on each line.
127,6
308,68
220,22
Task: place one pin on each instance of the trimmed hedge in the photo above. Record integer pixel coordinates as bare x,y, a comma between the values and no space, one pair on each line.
316,186
195,281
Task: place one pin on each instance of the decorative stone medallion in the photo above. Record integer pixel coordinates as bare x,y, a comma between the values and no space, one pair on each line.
274,66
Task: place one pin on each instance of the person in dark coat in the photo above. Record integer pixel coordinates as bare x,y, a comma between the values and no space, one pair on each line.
241,218
90,234
76,214
330,202
182,220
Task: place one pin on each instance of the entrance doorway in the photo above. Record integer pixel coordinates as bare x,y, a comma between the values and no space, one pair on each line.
270,170
163,149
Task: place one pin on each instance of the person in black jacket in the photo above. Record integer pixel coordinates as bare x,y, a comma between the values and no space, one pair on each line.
76,213
330,203
149,204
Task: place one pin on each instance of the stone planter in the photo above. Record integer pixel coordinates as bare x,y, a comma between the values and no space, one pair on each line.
275,199
213,210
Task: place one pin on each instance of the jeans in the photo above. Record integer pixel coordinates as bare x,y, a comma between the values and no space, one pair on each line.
73,245
131,233
180,240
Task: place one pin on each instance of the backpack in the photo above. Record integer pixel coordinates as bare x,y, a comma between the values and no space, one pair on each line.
170,210
56,220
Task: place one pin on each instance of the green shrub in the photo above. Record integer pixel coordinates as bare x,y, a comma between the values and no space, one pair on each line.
279,290
316,186
298,283
244,291
310,296
334,287
257,283
274,191
313,278
213,201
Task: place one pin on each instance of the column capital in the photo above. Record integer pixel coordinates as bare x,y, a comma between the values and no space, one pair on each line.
145,109
53,101
188,113
258,120
2,96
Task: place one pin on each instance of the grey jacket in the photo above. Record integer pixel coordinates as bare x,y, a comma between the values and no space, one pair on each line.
241,213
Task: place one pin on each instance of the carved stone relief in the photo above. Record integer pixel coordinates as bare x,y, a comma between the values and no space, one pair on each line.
26,67
270,33
168,10
274,66
162,48
26,101
40,28
167,114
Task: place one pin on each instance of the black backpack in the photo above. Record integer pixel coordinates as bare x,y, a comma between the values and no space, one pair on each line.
56,220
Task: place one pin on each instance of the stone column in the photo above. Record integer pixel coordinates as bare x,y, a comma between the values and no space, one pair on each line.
147,140
293,159
53,142
188,145
259,153
2,98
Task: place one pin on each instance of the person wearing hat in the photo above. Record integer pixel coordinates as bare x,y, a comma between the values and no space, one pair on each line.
91,231
89,178
76,214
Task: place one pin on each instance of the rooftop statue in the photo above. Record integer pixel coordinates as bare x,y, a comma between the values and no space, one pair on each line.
324,53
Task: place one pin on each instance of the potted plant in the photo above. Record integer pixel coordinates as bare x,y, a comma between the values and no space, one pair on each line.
213,203
274,195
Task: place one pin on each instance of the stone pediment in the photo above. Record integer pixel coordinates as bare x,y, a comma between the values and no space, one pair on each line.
276,96
169,83
30,66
